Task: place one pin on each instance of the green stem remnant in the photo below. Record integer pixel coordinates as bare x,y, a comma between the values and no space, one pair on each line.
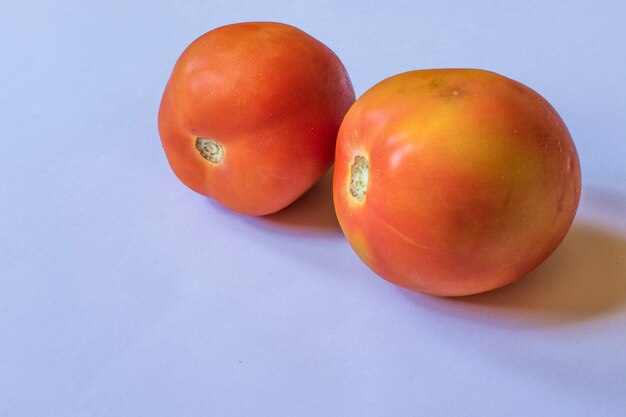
359,173
210,150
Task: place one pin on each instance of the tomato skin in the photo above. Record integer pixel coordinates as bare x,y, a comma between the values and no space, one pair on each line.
272,97
473,180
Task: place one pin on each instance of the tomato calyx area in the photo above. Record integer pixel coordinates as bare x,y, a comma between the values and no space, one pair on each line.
210,149
359,176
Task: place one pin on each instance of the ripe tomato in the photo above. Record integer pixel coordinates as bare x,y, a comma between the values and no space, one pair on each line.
454,181
250,114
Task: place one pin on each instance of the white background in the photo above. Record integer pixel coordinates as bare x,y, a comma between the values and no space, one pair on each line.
123,293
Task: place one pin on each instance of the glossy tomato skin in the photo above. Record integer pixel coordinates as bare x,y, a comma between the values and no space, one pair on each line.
272,98
473,180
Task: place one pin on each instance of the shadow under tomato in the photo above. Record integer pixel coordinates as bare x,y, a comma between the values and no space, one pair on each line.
584,278
314,210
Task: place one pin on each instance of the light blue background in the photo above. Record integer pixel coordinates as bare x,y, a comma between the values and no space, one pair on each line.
122,293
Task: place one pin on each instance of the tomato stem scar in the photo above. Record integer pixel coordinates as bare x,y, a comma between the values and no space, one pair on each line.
359,174
210,149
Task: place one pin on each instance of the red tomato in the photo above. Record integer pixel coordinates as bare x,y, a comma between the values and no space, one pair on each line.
454,181
250,114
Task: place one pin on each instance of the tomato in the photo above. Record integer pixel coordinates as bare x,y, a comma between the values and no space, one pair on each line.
454,181
250,114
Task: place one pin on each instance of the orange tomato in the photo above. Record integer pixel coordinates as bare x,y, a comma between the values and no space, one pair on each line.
250,114
454,181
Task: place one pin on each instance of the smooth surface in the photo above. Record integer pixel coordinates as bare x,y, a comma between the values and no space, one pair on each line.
473,180
122,293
